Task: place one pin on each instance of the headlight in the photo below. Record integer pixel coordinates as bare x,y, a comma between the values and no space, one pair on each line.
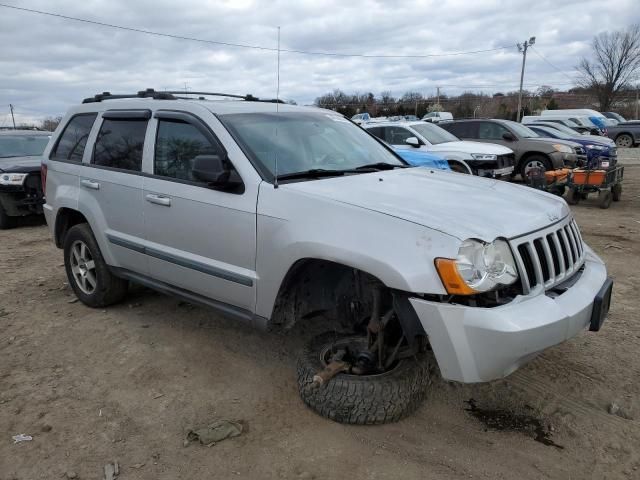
562,148
595,147
12,178
478,267
484,156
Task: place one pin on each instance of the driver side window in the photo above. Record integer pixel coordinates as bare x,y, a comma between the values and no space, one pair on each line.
178,143
397,135
491,131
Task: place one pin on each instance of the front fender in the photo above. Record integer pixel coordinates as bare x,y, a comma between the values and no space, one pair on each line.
292,227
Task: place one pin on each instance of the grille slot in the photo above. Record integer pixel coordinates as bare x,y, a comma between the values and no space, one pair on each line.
546,258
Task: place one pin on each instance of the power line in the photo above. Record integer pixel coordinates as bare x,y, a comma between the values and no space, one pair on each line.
241,45
535,50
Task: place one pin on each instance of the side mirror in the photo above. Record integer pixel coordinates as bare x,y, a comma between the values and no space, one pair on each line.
214,170
508,136
413,141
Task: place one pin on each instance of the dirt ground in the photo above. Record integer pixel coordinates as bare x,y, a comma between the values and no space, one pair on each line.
126,383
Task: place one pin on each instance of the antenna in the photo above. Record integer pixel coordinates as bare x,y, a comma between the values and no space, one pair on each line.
275,172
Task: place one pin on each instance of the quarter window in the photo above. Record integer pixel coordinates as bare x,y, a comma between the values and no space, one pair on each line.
120,143
177,145
71,145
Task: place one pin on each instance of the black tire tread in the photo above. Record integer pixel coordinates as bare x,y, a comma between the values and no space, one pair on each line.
111,289
364,400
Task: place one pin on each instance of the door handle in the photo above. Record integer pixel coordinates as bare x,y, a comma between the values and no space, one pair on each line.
90,184
158,199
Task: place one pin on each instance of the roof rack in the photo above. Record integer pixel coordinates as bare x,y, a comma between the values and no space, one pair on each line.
171,95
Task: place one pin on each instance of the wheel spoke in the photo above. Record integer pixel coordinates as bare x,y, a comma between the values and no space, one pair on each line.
83,283
90,265
83,252
75,270
91,279
76,254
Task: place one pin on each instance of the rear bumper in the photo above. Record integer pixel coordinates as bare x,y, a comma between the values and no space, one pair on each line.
474,344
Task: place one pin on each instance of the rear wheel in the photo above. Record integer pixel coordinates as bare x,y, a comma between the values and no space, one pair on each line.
88,273
624,141
380,396
574,196
616,192
534,162
604,198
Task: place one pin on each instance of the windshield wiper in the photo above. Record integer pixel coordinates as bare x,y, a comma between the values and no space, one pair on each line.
380,166
312,173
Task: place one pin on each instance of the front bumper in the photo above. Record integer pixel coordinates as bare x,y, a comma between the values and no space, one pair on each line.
473,344
25,199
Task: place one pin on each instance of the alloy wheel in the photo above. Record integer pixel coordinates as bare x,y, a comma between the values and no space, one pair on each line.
83,267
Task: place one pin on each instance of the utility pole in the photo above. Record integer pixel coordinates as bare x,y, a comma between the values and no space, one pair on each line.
636,103
14,120
523,48
438,96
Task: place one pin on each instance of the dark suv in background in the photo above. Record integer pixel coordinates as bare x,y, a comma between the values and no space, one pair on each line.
20,185
530,149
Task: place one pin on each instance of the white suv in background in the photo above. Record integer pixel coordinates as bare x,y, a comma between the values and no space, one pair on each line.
485,160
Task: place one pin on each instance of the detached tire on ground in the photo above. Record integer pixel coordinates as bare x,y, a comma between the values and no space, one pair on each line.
363,399
88,273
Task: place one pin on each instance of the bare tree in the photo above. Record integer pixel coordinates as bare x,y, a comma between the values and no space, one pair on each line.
615,64
50,123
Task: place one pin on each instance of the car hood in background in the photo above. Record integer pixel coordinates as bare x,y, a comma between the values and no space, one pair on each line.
20,164
461,205
471,147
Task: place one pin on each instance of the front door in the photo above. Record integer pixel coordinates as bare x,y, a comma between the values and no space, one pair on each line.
198,238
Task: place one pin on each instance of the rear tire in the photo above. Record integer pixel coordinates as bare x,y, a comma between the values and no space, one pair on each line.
574,196
604,199
6,221
624,141
616,192
363,399
88,273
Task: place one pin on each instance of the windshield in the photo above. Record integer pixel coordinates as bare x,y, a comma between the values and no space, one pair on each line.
22,145
305,141
543,131
434,134
520,130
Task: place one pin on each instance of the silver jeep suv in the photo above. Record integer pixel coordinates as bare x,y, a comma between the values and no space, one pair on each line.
275,215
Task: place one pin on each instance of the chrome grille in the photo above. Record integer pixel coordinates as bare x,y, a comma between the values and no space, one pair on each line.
549,256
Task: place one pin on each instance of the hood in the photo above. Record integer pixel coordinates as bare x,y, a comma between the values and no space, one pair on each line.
471,147
464,206
548,141
20,164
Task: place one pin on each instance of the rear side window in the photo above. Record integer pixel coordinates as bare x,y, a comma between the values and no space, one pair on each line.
120,143
71,145
177,145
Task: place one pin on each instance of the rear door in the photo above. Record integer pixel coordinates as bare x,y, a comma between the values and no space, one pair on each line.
199,239
110,190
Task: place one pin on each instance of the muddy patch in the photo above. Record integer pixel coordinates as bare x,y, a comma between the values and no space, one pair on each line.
504,420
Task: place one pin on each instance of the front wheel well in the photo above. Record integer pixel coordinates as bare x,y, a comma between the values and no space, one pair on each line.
66,218
339,292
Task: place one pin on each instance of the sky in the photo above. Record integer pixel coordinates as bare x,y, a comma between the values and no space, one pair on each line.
48,64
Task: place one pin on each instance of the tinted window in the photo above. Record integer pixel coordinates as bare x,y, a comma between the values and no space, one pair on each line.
119,144
491,131
22,145
460,130
74,138
177,145
377,131
397,135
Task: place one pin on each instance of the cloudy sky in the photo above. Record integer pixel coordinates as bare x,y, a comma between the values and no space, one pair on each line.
49,63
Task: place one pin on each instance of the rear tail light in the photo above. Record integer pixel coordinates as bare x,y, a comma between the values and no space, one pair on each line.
43,178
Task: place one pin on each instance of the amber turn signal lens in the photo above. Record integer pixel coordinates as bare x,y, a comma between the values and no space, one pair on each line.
451,279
